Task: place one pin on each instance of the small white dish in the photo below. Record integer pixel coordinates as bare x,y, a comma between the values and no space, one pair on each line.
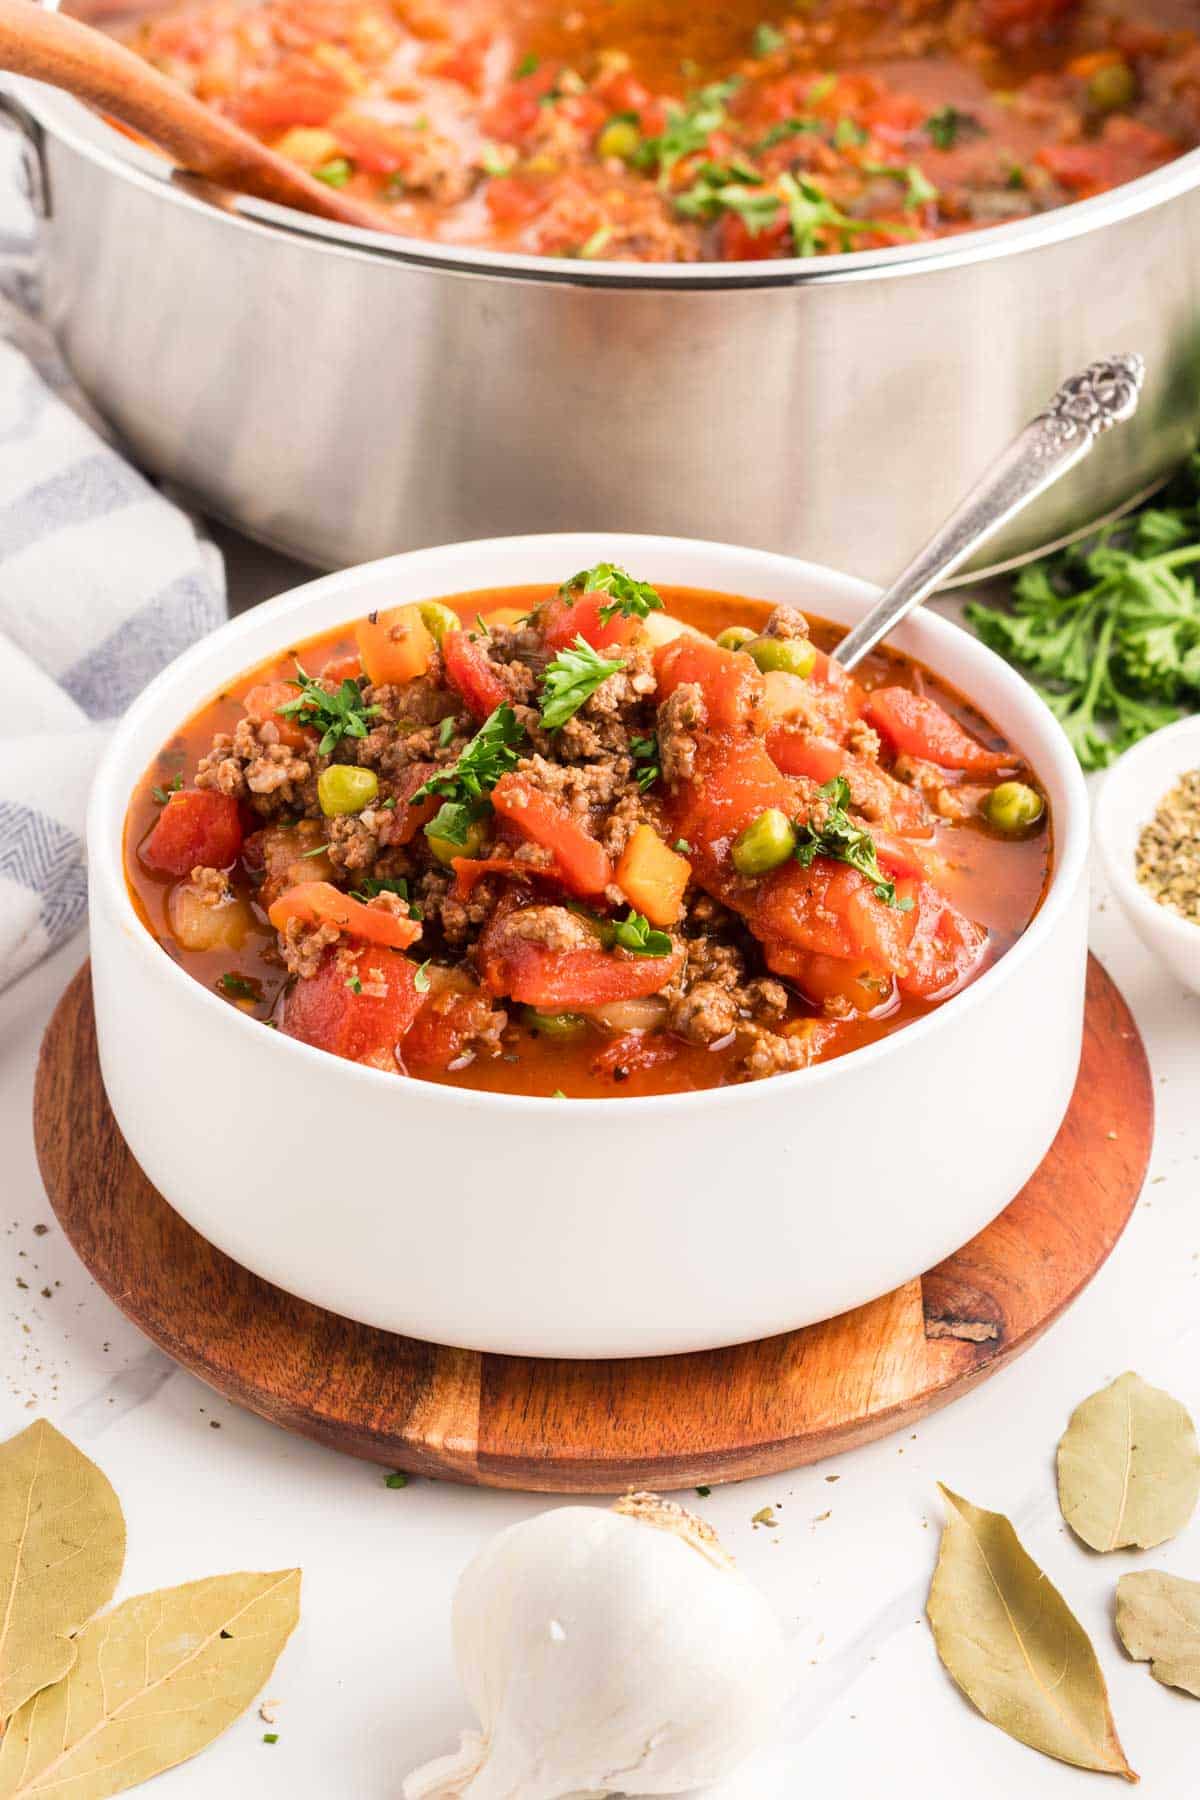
1128,801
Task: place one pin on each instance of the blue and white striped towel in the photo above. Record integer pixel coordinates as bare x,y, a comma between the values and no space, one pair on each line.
102,582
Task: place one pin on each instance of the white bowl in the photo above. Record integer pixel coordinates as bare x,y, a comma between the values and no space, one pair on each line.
1129,799
620,1227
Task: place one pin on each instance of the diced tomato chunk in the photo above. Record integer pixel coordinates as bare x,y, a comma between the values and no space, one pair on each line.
1125,150
197,828
359,1004
550,979
730,682
634,1051
821,760
584,865
470,672
410,815
515,199
916,726
308,96
831,909
445,1026
568,616
945,947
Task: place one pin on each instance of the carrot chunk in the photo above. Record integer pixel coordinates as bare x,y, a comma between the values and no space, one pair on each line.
320,903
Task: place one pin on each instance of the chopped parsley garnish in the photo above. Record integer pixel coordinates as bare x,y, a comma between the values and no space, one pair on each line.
729,187
811,214
454,821
374,885
598,242
848,134
421,979
528,65
495,161
840,838
558,1094
335,173
163,794
766,40
636,934
446,731
396,1480
631,599
338,715
689,126
239,987
918,189
482,762
787,128
570,680
1108,631
270,1737
645,751
317,850
947,125
354,984
681,845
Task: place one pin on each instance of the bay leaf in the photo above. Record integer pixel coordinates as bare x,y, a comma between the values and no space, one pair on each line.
1158,1621
62,1548
1128,1467
156,1680
1013,1645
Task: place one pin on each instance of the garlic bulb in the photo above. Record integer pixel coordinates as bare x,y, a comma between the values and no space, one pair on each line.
607,1652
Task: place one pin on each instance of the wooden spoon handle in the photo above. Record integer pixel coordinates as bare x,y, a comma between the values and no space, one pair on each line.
105,75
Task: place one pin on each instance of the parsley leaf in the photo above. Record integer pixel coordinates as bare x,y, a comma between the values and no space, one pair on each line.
729,187
688,128
570,680
918,189
368,889
840,838
947,125
631,599
645,750
482,762
354,984
813,215
239,987
636,934
338,715
787,128
163,794
335,173
1108,631
767,39
421,979
528,65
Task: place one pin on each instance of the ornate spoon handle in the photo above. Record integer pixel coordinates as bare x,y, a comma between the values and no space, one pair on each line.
1105,394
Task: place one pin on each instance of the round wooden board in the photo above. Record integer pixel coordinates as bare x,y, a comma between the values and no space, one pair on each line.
600,1427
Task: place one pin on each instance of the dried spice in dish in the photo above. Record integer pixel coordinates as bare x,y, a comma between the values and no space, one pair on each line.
1168,852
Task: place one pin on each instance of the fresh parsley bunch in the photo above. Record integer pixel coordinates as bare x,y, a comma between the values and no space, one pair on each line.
1108,630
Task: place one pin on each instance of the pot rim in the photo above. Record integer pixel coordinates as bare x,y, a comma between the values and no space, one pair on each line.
80,130
109,801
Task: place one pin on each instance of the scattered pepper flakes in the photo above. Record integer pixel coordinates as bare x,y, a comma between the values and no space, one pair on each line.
704,1492
40,1230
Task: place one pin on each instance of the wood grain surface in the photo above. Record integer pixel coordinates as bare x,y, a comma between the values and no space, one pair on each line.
598,1427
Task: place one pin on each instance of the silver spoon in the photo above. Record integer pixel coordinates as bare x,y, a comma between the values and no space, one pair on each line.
1085,407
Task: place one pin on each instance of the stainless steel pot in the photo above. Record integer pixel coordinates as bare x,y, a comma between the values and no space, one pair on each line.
342,395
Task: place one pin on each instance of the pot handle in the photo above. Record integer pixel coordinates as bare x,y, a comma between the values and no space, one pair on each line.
14,117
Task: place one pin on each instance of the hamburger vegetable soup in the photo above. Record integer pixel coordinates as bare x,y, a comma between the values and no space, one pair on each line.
594,841
657,131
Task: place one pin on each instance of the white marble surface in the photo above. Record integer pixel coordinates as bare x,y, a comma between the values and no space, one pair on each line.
367,1689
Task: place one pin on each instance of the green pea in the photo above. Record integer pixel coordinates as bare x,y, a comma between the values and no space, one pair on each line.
768,841
1012,807
446,849
554,1025
1112,88
438,619
793,656
341,788
735,637
620,137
